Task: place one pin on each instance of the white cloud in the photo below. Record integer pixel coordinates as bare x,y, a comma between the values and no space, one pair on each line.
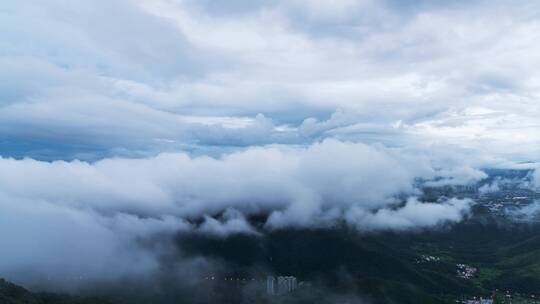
457,176
95,218
257,179
413,215
489,188
62,247
233,222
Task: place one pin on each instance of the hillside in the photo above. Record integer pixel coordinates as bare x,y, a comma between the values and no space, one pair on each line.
13,294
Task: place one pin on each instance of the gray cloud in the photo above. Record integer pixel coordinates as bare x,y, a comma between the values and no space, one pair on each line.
536,179
526,214
145,76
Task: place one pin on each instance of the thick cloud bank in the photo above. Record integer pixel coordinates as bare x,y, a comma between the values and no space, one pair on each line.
95,220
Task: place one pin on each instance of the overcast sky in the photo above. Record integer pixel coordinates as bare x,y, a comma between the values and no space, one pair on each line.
93,79
125,119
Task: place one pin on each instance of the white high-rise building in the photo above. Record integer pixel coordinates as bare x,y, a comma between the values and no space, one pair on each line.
280,285
271,285
286,284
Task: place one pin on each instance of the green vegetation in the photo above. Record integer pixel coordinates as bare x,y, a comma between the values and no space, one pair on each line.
395,267
413,267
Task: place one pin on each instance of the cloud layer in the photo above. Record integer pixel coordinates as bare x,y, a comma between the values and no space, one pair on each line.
193,75
96,220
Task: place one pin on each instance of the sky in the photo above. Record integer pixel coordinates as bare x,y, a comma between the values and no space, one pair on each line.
123,120
135,78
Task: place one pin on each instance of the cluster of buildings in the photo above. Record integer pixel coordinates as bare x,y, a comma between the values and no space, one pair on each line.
229,279
427,258
478,301
280,285
465,271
